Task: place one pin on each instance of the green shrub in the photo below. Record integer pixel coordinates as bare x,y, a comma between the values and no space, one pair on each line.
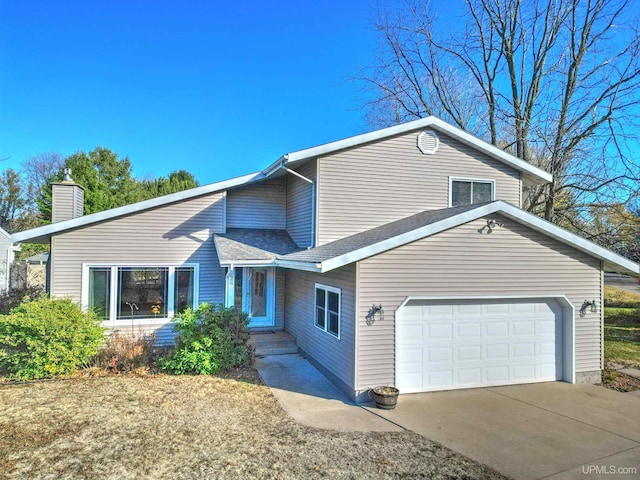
47,338
210,339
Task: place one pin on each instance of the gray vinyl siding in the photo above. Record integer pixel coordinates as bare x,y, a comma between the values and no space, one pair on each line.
300,205
67,202
336,355
368,186
169,235
511,261
258,206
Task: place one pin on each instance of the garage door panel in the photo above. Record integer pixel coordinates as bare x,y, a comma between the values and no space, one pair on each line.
524,327
469,329
473,344
495,328
440,354
440,330
496,351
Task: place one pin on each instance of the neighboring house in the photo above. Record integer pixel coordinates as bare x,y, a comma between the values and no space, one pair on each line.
30,272
7,250
397,257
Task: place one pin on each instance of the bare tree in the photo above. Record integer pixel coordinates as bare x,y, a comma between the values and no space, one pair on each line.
555,82
38,172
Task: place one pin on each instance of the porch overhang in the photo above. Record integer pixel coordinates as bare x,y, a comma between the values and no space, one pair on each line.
250,247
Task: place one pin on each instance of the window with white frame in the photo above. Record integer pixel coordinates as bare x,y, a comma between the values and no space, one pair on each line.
327,311
469,191
137,292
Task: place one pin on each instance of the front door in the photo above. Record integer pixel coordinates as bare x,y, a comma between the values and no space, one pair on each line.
253,290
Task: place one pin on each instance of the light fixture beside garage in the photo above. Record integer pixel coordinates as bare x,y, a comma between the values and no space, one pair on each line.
376,313
490,226
586,304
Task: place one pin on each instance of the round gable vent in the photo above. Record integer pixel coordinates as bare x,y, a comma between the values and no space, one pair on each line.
428,142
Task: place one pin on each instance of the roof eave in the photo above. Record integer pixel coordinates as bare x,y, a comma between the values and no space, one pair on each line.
44,232
516,214
531,175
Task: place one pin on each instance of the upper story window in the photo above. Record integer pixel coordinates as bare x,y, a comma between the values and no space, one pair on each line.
467,191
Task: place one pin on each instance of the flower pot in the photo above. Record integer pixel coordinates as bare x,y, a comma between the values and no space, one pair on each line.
385,397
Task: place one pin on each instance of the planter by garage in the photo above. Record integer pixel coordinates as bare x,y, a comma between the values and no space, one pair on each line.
386,398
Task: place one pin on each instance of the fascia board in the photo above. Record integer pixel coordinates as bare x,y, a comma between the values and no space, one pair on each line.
133,208
408,237
533,174
293,265
566,237
520,216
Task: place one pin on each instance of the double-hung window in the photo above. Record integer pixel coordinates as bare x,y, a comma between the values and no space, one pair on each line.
327,309
137,292
465,191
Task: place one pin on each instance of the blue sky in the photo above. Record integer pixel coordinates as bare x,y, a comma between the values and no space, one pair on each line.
219,88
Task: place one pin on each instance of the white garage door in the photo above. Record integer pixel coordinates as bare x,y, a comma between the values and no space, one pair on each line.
443,345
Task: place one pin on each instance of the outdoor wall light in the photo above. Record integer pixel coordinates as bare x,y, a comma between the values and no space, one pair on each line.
376,313
490,226
586,304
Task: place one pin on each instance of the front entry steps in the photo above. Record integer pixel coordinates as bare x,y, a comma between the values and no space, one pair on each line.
269,342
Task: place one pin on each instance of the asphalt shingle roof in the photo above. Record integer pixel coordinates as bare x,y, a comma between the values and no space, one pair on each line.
376,235
246,244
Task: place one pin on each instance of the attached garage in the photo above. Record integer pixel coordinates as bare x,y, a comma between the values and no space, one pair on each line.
444,344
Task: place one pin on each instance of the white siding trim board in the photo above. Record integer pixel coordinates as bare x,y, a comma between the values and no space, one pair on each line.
532,174
568,324
520,216
43,232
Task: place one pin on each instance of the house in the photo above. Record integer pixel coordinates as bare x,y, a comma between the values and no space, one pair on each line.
397,257
7,251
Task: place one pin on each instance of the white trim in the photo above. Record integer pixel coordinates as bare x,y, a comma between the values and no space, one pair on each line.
327,289
472,180
298,265
534,175
568,327
499,206
133,208
247,263
113,322
269,320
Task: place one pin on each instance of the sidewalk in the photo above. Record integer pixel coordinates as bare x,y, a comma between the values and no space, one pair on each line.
311,399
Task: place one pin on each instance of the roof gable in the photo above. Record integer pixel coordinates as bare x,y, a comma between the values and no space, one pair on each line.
44,232
395,234
531,175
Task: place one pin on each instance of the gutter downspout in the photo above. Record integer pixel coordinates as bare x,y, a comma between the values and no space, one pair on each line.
313,199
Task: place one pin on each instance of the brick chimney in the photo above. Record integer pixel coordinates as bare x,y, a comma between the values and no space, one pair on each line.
67,199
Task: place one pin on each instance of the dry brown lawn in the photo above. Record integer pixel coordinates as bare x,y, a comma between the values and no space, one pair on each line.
121,427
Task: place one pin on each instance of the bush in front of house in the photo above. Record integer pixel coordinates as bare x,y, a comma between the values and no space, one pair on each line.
46,338
210,339
14,297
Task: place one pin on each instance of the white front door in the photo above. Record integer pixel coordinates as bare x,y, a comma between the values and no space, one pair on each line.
253,289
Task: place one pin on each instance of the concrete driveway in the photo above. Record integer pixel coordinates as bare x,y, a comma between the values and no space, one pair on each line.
545,430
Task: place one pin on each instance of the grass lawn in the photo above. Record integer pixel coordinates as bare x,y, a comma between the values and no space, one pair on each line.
622,336
159,426
621,327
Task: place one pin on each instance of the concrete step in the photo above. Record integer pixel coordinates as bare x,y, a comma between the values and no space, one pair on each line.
273,343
